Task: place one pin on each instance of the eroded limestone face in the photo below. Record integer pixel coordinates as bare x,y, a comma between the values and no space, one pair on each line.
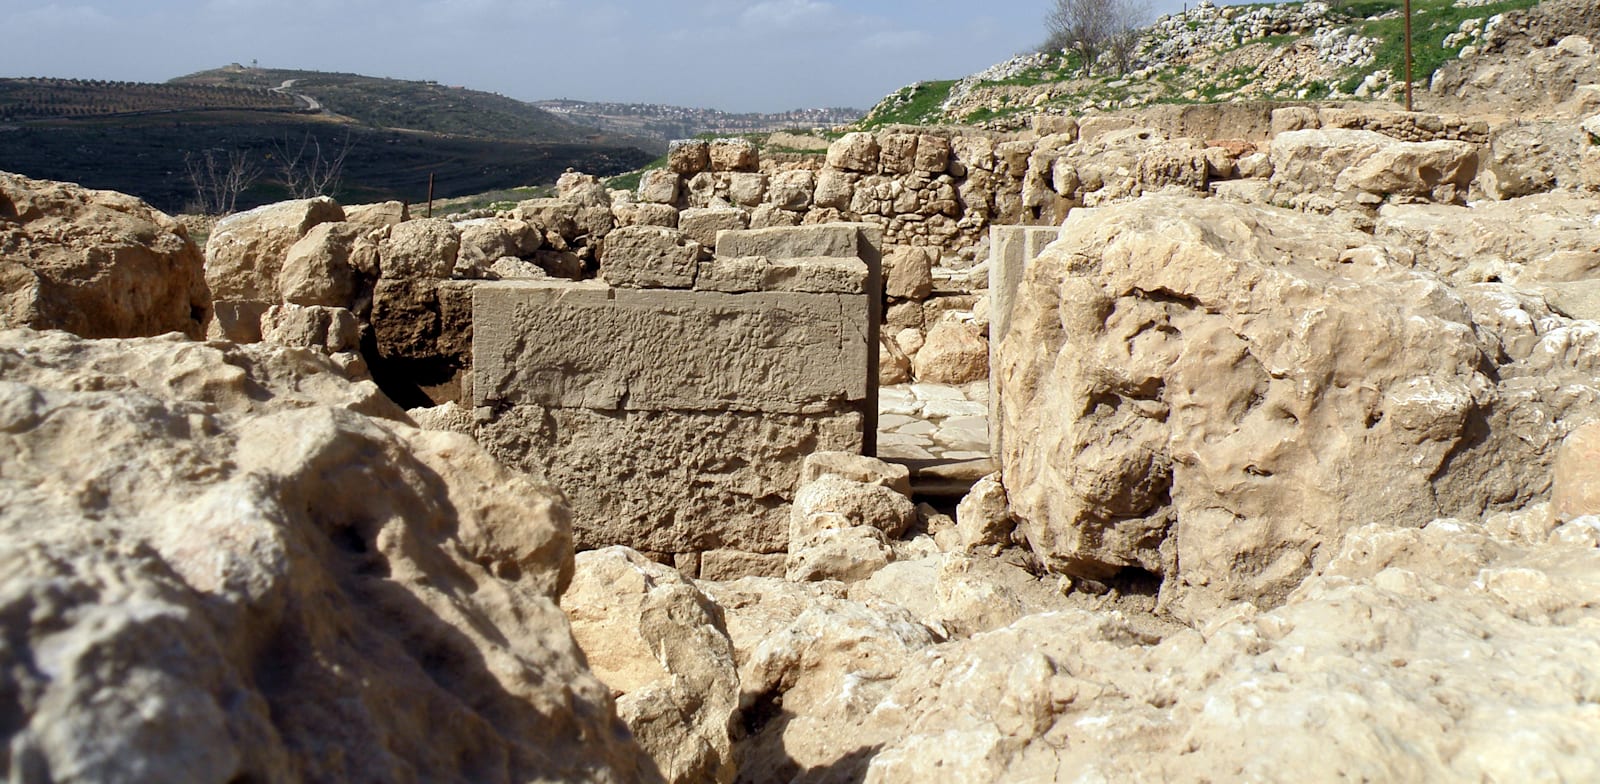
1216,393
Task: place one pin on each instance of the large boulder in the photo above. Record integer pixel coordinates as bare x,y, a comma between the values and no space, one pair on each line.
1329,168
1217,393
245,254
96,263
219,567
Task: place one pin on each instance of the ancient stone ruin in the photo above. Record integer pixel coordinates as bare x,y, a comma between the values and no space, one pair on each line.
1278,460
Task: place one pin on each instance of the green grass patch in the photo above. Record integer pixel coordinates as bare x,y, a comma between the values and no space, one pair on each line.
918,104
1431,22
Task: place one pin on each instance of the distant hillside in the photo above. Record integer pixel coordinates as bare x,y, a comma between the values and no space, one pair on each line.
41,99
410,105
657,121
134,137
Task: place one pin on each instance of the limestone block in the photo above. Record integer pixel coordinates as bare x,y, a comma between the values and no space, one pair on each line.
660,186
899,153
311,326
734,155
1091,128
237,320
702,224
908,273
419,249
754,273
649,257
831,501
487,240
647,215
1575,489
855,152
277,579
102,264
1347,164
245,252
377,216
1295,118
1397,399
776,352
845,554
903,315
746,189
983,518
1056,125
689,157
585,190
933,154
767,216
792,190
550,215
955,353
672,481
835,189
734,564
839,240
856,468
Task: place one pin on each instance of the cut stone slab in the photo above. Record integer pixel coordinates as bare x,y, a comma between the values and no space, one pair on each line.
816,275
649,257
777,352
833,240
665,481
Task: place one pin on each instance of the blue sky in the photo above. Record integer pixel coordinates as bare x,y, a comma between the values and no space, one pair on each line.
737,55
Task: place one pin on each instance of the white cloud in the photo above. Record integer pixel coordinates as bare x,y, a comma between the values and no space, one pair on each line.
786,14
896,40
55,15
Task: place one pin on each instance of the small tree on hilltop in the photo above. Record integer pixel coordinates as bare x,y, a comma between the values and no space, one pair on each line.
1094,28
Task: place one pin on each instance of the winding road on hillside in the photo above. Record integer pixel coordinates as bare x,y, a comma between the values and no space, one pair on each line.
311,104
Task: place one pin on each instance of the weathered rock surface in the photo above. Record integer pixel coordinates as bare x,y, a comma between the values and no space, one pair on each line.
1401,659
1547,238
95,263
1216,393
662,647
220,567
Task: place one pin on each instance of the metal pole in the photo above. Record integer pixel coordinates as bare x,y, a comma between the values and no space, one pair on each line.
430,174
1408,55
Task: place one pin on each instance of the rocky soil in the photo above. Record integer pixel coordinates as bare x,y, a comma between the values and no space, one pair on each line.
1300,475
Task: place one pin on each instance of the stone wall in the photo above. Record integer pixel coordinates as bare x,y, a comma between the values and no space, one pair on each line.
674,398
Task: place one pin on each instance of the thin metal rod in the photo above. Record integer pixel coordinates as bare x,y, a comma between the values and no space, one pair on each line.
1408,55
430,175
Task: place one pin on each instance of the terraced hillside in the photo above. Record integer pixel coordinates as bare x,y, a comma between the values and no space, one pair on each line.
410,105
39,99
137,138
